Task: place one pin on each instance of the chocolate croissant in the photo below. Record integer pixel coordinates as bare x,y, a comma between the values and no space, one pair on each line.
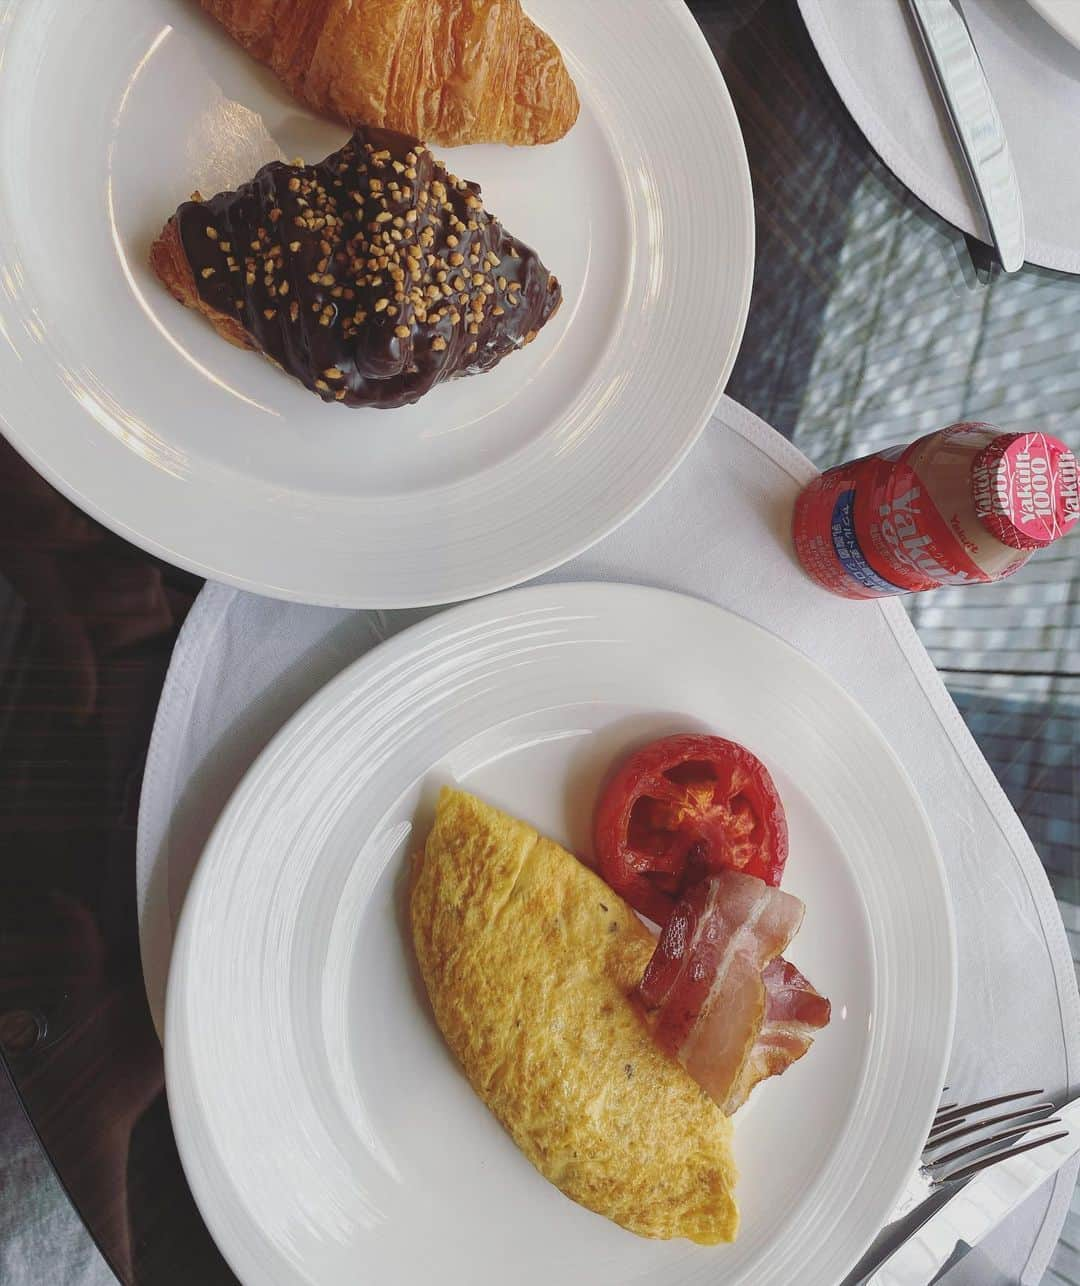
370,277
452,71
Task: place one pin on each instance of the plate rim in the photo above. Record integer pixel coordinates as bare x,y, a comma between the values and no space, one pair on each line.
469,585
475,611
1053,13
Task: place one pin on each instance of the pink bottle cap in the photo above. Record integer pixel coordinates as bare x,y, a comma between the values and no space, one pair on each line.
1025,489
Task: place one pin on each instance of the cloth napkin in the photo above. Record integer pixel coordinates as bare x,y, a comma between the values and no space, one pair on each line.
718,530
872,52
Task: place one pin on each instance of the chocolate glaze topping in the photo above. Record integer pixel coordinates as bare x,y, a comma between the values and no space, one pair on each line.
370,277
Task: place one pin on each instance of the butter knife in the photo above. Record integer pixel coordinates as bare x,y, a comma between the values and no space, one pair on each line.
976,123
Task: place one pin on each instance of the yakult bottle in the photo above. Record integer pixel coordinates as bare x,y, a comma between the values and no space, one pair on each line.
962,506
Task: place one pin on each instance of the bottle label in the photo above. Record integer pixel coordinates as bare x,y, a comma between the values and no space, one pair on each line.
870,529
906,537
847,549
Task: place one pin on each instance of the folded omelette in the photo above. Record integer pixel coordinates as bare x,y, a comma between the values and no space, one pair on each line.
530,961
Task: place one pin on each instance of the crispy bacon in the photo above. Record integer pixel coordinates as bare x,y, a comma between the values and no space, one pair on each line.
703,986
794,1013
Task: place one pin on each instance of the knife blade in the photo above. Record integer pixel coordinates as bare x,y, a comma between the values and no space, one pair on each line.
976,123
976,1209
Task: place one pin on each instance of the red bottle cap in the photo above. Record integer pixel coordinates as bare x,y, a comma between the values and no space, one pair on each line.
1024,486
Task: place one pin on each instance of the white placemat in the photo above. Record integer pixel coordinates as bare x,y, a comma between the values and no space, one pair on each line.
871,51
719,530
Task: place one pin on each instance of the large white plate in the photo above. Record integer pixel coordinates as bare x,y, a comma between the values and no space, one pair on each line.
111,114
324,1127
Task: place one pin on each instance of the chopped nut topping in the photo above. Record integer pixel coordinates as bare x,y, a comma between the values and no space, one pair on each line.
385,235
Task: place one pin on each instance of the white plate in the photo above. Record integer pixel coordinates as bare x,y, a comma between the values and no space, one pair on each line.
325,1130
211,458
1062,15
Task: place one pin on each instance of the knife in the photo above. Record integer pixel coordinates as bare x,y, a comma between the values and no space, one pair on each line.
975,120
963,1217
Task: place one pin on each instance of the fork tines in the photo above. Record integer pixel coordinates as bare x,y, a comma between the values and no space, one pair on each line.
951,1113
952,1122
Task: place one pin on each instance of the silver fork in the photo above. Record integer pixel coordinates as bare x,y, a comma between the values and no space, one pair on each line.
981,1141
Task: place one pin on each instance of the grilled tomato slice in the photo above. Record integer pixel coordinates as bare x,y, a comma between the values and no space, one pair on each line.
682,808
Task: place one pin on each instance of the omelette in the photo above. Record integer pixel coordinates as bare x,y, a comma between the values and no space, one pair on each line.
530,961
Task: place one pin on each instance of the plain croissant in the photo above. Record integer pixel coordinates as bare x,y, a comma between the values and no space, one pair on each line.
449,71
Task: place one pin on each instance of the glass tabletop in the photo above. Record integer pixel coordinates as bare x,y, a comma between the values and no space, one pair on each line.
850,266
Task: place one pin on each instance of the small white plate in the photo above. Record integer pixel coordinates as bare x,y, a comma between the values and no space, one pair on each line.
1062,15
328,1135
210,457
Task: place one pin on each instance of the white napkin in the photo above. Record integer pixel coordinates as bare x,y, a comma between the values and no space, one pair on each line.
719,530
872,53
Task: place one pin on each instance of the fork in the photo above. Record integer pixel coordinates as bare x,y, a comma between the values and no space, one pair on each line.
944,1170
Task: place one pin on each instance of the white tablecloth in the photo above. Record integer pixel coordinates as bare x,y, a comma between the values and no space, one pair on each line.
719,530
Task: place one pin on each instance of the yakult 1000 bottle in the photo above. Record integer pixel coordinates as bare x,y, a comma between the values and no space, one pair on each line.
962,506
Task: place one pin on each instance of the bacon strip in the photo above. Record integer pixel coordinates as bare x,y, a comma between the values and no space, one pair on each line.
794,1013
704,987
